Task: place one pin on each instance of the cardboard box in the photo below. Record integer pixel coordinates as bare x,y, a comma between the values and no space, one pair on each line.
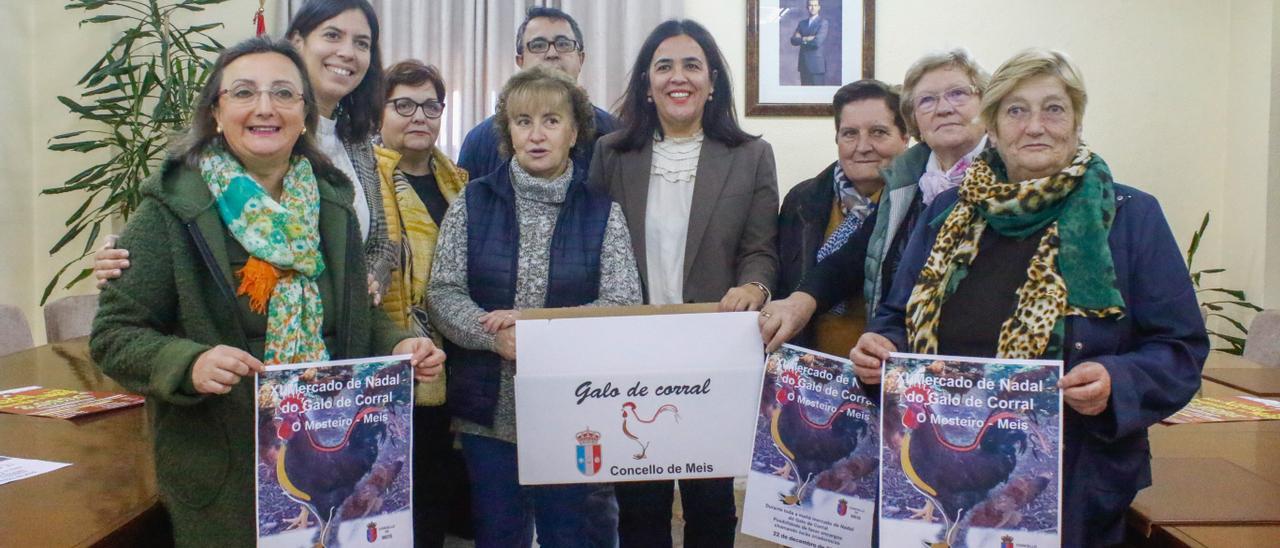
634,395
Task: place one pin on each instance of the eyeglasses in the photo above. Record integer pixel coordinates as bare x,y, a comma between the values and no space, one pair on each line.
562,44
957,96
281,96
405,106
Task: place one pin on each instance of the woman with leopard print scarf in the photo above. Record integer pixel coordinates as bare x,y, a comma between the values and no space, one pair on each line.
1040,254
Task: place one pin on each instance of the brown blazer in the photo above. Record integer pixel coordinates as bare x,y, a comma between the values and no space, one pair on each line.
736,187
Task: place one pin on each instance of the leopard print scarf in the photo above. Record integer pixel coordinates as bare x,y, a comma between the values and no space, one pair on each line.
1075,279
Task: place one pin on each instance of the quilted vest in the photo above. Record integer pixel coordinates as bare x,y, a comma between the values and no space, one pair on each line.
493,244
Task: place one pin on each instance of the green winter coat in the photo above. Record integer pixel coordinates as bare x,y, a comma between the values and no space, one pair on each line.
175,302
901,179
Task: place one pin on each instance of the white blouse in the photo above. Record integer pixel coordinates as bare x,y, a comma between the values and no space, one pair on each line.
666,215
331,146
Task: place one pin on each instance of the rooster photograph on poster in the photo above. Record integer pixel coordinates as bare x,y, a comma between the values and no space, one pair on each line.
320,478
964,477
811,435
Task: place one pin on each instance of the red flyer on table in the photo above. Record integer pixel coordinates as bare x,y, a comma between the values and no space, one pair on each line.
60,403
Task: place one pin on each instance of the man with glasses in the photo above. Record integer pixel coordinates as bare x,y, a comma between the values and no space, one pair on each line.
549,37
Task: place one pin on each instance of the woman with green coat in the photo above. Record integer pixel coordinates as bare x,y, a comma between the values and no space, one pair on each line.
245,252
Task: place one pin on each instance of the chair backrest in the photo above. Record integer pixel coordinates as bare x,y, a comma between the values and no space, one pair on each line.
1263,343
15,333
69,317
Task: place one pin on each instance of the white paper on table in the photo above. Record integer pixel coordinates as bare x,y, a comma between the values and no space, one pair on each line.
14,469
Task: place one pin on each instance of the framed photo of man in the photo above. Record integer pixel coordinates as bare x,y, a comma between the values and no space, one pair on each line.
799,52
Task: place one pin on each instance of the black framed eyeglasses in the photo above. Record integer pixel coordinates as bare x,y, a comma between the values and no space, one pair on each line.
405,106
563,44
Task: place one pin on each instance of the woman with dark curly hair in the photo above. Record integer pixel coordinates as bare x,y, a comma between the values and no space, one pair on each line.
338,42
679,158
245,199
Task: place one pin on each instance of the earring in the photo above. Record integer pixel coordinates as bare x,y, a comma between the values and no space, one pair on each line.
710,97
219,129
648,98
304,130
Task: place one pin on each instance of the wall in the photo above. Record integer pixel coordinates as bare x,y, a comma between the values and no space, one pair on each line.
1273,188
17,204
1179,100
1238,222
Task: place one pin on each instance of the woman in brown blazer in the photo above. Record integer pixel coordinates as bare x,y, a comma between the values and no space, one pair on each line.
679,163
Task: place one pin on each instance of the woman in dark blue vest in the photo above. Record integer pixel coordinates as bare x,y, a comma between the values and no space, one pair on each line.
529,235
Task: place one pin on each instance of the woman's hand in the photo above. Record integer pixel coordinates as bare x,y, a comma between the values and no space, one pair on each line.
221,367
109,262
427,360
782,319
1086,388
504,343
868,356
375,291
744,297
498,320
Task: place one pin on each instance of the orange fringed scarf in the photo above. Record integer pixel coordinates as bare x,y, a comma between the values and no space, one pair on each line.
257,280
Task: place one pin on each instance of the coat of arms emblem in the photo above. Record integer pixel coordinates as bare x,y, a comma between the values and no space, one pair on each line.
588,451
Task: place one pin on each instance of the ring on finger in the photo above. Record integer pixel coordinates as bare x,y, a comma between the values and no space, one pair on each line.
766,314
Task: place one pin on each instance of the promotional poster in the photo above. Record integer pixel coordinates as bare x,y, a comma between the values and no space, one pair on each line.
334,454
631,398
815,466
971,452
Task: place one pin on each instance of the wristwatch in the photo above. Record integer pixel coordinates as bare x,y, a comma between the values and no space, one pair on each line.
768,296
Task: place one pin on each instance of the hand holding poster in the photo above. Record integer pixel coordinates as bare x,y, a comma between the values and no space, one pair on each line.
971,452
813,475
334,450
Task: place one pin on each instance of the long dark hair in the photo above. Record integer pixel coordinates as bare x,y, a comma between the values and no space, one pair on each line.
203,132
640,118
359,114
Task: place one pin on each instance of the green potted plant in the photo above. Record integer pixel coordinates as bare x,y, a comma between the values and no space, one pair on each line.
1211,308
138,93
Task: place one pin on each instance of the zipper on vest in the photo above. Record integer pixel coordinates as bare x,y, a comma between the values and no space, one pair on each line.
220,281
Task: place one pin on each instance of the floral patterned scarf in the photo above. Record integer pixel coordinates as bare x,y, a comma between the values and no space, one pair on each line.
1068,275
283,241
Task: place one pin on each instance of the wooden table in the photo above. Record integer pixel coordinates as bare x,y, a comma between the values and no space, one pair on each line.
107,497
1253,446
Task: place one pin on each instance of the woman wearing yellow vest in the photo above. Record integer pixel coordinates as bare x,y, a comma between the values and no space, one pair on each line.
418,184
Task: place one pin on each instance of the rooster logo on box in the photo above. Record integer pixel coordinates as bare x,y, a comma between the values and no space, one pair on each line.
589,451
631,419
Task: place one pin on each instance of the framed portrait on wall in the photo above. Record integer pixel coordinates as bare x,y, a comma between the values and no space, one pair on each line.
799,52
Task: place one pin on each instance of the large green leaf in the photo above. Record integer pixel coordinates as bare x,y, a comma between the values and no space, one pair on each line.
103,19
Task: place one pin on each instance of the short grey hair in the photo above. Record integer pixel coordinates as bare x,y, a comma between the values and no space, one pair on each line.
958,58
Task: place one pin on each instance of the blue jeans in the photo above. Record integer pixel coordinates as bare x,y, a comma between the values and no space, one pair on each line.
505,512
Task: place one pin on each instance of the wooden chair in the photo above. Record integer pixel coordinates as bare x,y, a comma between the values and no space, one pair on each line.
15,333
70,317
1263,342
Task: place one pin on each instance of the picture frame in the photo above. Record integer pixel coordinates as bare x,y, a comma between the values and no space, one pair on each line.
796,60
